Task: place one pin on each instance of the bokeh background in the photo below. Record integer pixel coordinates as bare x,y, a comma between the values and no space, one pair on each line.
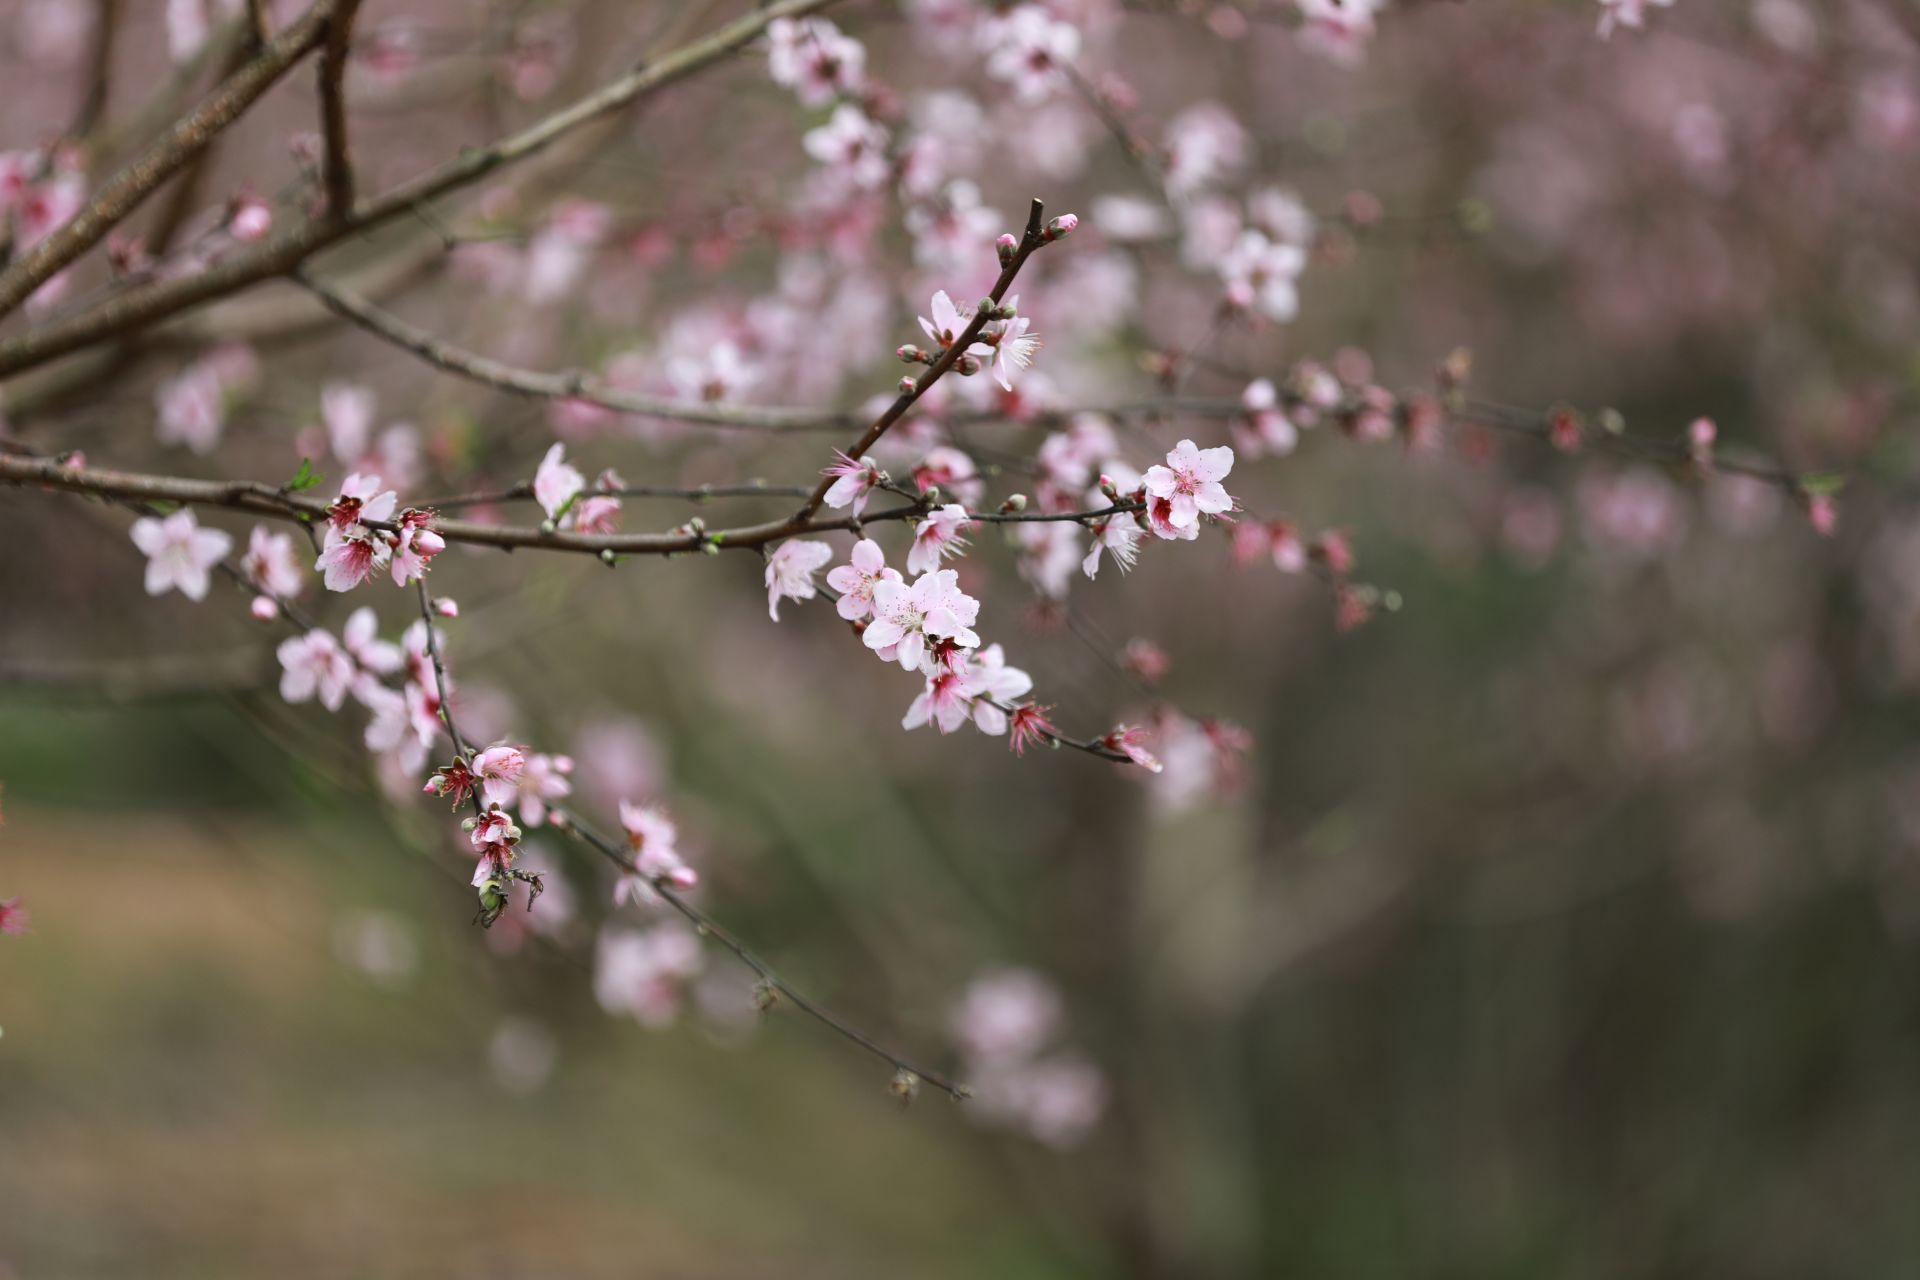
1563,921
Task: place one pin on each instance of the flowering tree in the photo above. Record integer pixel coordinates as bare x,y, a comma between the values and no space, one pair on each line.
623,326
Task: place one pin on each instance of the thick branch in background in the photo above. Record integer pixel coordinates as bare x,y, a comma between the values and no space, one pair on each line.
338,173
148,304
124,192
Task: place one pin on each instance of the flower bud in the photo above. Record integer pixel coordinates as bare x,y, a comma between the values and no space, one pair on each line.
1007,246
264,608
446,607
910,354
1062,226
1015,502
1612,422
907,386
547,526
607,557
967,366
905,1086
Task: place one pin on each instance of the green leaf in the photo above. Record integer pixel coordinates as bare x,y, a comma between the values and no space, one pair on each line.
305,478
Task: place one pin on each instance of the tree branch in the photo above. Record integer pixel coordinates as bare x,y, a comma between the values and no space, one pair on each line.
125,190
338,172
148,304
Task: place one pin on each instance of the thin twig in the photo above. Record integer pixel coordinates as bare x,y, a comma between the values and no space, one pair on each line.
187,138
337,174
707,925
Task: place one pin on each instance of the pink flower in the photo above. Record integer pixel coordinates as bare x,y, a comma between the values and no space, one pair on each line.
13,917
993,684
556,483
271,564
937,537
360,638
1823,513
1013,347
498,770
180,554
651,839
641,974
1190,484
1624,13
951,470
855,580
790,571
947,323
494,833
544,779
315,664
346,410
1119,536
852,146
193,409
946,701
934,606
1028,50
1260,273
855,481
351,561
1005,1016
361,499
812,57
1268,426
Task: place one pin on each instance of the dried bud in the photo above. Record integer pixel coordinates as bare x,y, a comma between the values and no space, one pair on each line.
967,366
904,1086
765,996
1062,226
1611,422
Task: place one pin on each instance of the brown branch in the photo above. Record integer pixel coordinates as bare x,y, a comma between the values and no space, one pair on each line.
260,499
148,304
106,14
338,172
560,386
1034,237
186,139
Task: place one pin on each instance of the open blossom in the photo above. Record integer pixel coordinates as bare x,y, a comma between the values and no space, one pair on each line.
946,701
855,580
790,571
947,323
361,640
351,561
1013,346
498,769
854,481
361,499
1268,427
1006,1015
907,616
852,146
1028,49
952,471
642,973
1339,30
494,834
271,564
315,664
556,483
815,59
652,841
993,682
1118,536
1260,273
346,411
937,537
1189,484
1204,144
180,554
13,917
544,779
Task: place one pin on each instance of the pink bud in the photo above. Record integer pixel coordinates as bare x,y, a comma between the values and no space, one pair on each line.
907,386
1822,513
251,219
446,608
1700,434
264,608
1062,226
